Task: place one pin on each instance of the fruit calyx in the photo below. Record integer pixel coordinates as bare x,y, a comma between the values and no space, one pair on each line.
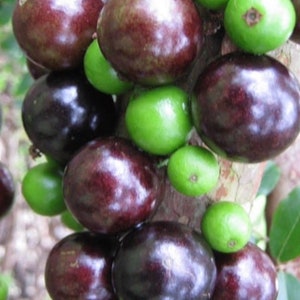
252,17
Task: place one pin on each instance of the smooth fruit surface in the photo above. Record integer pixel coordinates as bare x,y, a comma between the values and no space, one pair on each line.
55,33
7,190
79,267
226,226
164,260
193,170
61,112
146,43
111,186
158,119
101,74
42,189
246,107
259,26
246,274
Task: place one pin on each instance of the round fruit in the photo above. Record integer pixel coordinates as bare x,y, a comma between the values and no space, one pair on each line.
7,190
111,186
259,26
61,112
226,226
42,189
246,274
149,42
247,107
79,267
100,73
158,120
213,4
193,170
53,33
164,260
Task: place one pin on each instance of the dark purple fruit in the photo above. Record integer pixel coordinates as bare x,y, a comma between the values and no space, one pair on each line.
111,186
79,267
7,190
246,108
164,260
246,274
150,41
61,112
55,33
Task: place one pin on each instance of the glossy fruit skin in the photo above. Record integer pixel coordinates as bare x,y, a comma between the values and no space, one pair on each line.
42,189
295,37
226,226
193,170
246,274
62,111
158,120
258,26
246,107
111,186
79,267
164,260
7,190
146,43
54,33
101,74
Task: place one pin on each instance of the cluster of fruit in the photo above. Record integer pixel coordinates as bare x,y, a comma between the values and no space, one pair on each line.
110,111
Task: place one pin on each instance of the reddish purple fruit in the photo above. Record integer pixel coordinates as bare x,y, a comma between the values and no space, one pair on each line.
150,41
246,274
164,260
79,267
55,33
7,190
246,107
111,186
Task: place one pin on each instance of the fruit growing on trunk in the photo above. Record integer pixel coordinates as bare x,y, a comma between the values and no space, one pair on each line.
259,26
150,41
54,33
164,260
246,274
62,111
79,267
111,186
246,107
